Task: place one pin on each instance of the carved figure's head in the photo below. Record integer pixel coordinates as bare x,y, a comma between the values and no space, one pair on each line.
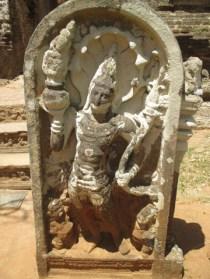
102,93
102,86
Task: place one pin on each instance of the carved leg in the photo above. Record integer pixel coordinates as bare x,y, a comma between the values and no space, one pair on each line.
86,219
110,221
92,230
144,231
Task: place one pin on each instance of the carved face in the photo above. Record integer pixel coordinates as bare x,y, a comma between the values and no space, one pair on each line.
101,97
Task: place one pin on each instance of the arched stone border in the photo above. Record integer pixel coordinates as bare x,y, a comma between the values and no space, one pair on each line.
149,20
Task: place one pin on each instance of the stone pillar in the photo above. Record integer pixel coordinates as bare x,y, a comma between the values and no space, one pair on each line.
191,102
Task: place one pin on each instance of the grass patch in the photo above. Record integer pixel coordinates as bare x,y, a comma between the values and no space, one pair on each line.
195,170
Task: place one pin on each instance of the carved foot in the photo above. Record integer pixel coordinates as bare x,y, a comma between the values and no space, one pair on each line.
92,247
57,243
124,248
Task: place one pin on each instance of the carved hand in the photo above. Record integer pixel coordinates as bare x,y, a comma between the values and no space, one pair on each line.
123,123
124,178
55,102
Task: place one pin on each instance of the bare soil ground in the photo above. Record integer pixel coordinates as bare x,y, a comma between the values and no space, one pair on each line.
192,217
12,91
194,182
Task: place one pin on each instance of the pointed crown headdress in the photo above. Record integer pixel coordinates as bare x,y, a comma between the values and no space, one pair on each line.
105,76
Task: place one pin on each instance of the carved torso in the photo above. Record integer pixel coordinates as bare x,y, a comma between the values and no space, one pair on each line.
90,165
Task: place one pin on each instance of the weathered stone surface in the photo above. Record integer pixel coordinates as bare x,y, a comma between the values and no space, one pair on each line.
14,165
103,97
13,137
191,103
14,171
202,116
193,83
11,199
206,85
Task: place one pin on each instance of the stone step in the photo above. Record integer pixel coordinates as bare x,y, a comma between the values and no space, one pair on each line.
14,171
98,274
14,163
14,159
13,137
202,116
12,113
15,184
185,23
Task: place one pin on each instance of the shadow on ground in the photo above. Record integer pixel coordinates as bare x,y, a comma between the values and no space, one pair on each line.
189,236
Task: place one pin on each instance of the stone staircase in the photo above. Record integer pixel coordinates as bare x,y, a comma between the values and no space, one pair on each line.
183,23
14,162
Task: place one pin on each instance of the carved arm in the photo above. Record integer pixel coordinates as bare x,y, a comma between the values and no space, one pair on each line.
155,107
55,99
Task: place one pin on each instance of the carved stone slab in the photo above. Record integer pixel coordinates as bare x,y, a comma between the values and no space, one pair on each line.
103,84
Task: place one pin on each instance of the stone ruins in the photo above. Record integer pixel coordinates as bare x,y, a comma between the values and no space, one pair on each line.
109,115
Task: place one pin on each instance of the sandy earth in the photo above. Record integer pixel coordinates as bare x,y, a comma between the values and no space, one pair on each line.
192,230
17,243
12,92
192,223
